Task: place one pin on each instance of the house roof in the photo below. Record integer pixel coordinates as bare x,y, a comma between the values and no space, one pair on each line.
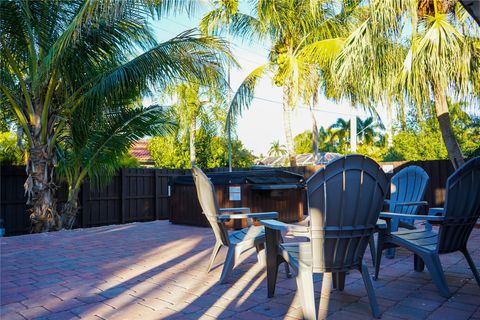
302,159
139,150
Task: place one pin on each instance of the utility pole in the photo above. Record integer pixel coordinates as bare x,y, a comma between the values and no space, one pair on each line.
353,131
229,127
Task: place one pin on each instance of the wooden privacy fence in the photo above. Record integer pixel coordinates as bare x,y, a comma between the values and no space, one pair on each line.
145,194
133,195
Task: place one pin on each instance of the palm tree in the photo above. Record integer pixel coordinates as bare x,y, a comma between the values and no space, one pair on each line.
197,105
438,55
338,133
303,142
63,56
366,129
94,148
277,149
302,33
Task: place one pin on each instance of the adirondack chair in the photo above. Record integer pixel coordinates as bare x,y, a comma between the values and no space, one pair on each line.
456,221
344,201
238,241
407,189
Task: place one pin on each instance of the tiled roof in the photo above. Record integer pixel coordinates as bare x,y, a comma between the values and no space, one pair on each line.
139,150
302,159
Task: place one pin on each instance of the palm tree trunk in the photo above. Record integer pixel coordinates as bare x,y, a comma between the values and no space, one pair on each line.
315,136
40,188
193,155
443,116
70,209
287,125
389,125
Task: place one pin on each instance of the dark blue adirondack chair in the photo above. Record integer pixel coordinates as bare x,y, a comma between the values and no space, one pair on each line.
344,201
237,242
455,220
407,189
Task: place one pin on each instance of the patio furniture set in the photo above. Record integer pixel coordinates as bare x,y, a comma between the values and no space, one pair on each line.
345,202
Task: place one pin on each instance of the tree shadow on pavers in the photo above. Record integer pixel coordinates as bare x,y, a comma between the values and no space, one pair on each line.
126,284
118,295
245,291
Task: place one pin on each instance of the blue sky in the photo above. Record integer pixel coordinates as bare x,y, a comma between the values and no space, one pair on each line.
263,122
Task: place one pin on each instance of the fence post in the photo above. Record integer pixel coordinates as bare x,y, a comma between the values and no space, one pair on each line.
157,194
123,208
85,197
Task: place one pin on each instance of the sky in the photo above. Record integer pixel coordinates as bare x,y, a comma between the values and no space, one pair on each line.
262,123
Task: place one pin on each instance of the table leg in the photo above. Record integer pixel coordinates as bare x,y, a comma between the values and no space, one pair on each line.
272,238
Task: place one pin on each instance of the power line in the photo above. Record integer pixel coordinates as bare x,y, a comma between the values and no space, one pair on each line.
302,107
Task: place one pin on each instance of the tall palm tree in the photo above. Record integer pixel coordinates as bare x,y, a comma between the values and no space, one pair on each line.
63,56
302,34
277,149
424,51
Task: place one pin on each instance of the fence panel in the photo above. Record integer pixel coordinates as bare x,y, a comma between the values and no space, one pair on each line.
102,207
13,208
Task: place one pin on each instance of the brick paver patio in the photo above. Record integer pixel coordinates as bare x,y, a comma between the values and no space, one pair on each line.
156,270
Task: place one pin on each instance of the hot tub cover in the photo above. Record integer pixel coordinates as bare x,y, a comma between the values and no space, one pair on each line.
256,177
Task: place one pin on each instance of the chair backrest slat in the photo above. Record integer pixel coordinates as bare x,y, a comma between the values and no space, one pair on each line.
462,207
208,201
408,185
345,199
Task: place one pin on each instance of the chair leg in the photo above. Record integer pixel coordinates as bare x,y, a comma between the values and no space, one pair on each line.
371,243
327,280
271,241
434,266
287,270
370,291
390,252
307,294
215,251
287,267
232,256
261,256
339,280
378,258
472,265
418,264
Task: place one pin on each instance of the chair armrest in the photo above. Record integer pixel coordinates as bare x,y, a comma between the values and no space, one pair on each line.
259,215
281,226
390,215
407,203
435,211
244,210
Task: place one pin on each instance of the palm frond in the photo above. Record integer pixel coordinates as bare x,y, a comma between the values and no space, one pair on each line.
245,94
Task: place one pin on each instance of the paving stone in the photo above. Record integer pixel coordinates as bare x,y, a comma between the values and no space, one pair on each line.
34,312
423,304
12,307
407,312
444,313
12,316
251,315
346,315
93,309
271,309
